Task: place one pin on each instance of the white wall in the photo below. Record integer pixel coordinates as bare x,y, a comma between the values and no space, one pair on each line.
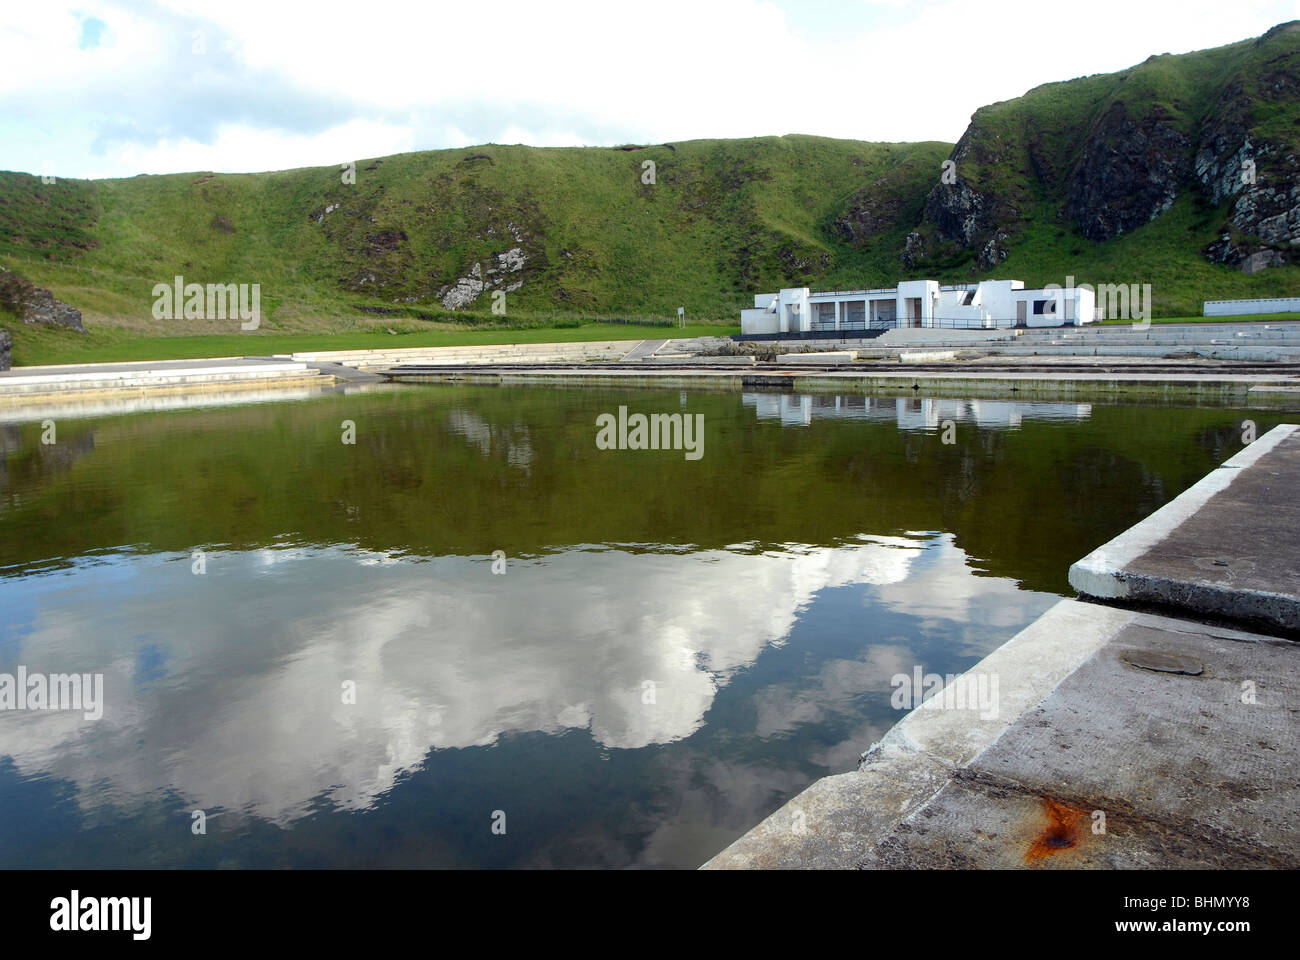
1237,308
1069,305
758,321
926,291
792,299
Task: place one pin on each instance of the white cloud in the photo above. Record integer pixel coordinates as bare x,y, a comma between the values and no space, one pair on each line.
273,150
581,72
443,655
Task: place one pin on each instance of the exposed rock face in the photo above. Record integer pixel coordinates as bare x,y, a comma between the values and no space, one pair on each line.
1225,153
325,212
35,304
1134,161
1269,207
1261,260
1129,173
1263,176
464,291
913,250
962,214
993,252
468,289
959,212
6,342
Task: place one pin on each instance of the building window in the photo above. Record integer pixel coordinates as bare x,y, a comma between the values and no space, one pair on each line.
1042,307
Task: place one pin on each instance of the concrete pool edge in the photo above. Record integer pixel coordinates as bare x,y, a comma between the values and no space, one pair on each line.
77,383
932,792
842,816
1240,388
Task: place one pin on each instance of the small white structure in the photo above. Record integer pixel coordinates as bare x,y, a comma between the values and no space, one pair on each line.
986,305
1241,308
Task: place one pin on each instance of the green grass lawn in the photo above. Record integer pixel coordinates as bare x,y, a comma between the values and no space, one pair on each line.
40,346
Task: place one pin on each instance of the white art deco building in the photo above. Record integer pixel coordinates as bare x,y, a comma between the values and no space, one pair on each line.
986,305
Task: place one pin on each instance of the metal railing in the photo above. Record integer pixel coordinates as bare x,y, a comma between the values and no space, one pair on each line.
829,326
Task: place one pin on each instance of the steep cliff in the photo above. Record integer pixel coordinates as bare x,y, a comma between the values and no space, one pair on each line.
1111,153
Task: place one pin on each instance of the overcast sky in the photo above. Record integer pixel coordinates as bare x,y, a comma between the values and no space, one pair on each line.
112,89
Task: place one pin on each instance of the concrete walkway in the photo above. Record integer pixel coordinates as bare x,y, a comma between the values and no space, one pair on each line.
1117,738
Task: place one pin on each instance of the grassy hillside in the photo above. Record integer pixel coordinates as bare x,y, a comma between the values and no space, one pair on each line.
723,219
577,234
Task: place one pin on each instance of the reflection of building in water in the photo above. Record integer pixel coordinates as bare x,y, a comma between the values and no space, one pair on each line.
909,413
513,440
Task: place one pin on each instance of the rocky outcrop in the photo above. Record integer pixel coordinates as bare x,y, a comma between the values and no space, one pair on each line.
993,252
501,274
1128,146
35,304
913,254
1263,228
1130,171
1261,260
960,213
6,343
325,212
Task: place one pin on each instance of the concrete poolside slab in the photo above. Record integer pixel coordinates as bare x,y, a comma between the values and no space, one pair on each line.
111,403
130,367
928,356
1177,769
1226,549
24,386
836,821
979,826
1188,769
820,356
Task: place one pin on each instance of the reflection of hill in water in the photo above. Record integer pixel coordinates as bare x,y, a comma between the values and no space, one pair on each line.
467,470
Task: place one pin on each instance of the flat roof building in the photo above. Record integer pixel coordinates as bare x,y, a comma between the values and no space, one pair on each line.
986,305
